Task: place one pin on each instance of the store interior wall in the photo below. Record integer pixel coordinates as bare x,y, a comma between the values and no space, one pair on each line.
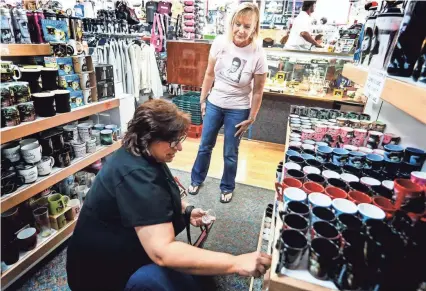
411,130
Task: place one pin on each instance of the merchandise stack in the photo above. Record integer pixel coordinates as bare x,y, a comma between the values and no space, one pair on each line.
349,217
105,81
190,103
194,19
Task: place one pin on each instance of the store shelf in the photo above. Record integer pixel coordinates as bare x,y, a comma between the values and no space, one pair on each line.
310,53
18,50
27,191
327,98
402,93
42,249
40,124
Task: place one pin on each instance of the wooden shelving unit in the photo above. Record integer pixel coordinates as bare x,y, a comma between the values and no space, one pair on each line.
402,93
34,256
40,124
58,174
18,50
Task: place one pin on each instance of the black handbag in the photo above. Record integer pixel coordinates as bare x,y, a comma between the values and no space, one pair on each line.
123,11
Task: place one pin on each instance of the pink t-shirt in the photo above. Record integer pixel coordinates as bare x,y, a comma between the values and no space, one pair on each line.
234,72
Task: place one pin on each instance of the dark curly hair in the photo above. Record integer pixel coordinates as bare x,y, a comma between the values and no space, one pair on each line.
154,120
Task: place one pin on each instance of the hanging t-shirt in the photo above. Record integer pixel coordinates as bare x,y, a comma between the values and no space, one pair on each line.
234,72
164,7
151,8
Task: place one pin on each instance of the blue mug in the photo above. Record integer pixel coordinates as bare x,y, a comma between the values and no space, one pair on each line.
373,162
394,153
414,156
356,159
324,153
340,157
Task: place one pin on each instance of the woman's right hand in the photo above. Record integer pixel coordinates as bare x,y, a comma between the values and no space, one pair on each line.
253,264
203,109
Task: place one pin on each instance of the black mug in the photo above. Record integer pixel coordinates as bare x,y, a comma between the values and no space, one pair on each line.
49,79
292,245
326,230
295,221
353,240
297,174
322,214
312,177
26,111
31,76
350,272
323,256
44,104
358,186
314,163
62,159
337,183
332,167
380,190
297,207
352,170
349,221
62,101
10,181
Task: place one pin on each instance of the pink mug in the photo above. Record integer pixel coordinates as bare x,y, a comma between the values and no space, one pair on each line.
321,128
419,178
333,130
360,133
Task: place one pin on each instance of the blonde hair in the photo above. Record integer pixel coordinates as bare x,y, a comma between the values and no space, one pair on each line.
242,10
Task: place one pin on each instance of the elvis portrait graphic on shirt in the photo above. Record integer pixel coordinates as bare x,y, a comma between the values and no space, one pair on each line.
233,69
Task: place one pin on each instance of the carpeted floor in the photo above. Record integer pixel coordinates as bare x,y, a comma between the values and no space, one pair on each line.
236,231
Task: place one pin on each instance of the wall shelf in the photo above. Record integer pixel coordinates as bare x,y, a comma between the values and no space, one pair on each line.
31,258
19,50
58,174
40,124
403,93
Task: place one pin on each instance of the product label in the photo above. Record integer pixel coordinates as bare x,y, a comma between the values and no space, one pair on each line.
374,85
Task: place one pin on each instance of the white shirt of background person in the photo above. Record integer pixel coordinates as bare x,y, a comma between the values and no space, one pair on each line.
303,22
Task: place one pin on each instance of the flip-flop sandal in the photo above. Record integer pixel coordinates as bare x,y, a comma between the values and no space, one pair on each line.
223,199
196,189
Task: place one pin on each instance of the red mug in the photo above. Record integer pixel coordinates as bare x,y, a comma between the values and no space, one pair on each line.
358,197
385,204
287,182
335,192
310,187
405,189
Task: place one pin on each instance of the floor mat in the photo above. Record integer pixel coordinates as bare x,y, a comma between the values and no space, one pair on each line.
236,231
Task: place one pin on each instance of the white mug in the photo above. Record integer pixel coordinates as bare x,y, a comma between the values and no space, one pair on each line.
79,149
11,151
87,96
29,172
97,134
84,80
73,44
44,167
91,145
31,153
26,141
80,63
75,209
84,131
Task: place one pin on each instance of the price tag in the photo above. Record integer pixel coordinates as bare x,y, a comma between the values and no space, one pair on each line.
374,85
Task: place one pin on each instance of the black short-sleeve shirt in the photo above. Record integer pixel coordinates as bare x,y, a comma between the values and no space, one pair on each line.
129,191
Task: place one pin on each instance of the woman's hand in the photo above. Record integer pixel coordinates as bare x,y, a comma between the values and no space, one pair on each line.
253,264
243,127
196,217
203,109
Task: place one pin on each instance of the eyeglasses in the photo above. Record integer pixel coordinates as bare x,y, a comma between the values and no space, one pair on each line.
175,143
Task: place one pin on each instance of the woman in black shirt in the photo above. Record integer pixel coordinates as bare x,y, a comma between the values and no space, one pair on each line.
125,234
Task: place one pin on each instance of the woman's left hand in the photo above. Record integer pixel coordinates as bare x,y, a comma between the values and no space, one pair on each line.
243,127
196,217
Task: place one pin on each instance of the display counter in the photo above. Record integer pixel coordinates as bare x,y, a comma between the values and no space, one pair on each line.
307,78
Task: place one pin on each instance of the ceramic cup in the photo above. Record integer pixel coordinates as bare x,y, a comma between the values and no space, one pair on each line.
97,134
27,239
295,221
290,166
57,203
394,153
91,145
323,258
414,156
341,205
44,166
75,209
311,170
299,175
368,181
11,151
369,211
31,153
359,197
327,174
70,132
294,194
356,159
310,187
348,221
292,246
419,178
319,200
29,172
325,230
347,178
84,131
79,148
340,157
106,137
28,141
84,80
322,214
388,184
373,162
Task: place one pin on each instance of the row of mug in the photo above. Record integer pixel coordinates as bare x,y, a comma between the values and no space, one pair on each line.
355,255
394,161
339,121
28,238
325,114
44,105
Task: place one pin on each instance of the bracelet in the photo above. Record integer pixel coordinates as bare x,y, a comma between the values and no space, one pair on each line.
187,213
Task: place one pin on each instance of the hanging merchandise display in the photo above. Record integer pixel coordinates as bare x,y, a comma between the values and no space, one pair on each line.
7,35
367,36
151,8
385,31
412,33
20,25
34,25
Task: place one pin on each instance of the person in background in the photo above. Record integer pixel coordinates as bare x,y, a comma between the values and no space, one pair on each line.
300,34
237,66
125,234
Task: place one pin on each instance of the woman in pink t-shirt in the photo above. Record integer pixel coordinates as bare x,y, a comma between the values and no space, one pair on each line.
237,67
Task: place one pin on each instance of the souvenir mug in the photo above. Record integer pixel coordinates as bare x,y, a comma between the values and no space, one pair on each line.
10,116
9,71
44,166
29,172
57,203
26,111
